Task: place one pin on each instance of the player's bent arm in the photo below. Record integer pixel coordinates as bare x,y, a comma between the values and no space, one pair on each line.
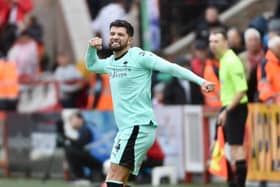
93,63
154,62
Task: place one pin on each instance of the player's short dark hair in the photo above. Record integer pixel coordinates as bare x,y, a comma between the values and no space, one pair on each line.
219,30
125,24
78,115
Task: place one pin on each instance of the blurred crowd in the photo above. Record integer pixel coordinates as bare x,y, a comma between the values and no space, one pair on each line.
24,60
257,46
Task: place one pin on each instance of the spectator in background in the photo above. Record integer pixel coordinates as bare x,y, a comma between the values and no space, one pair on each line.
78,156
31,24
24,53
200,55
274,28
268,73
9,86
251,59
197,65
36,32
235,40
175,91
211,72
100,96
69,79
12,13
178,19
110,12
189,88
210,21
260,24
4,9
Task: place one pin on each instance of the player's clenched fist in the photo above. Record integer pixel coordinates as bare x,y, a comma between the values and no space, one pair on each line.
208,86
96,42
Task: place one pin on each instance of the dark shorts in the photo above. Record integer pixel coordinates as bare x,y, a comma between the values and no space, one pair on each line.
235,124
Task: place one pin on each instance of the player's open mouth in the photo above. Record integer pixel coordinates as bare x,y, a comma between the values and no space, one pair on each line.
115,44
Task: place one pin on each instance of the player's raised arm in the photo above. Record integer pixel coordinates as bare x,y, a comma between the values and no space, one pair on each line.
93,63
152,61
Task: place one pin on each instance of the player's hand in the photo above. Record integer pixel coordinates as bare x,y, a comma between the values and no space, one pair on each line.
96,42
208,86
222,117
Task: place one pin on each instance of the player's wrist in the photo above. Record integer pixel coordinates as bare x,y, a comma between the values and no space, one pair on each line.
226,110
203,82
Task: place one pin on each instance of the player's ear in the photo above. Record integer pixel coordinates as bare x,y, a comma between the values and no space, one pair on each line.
130,40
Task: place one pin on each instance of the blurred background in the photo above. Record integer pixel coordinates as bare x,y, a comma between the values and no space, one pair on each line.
47,97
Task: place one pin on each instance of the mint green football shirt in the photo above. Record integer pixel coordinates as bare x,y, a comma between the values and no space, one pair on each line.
232,78
130,82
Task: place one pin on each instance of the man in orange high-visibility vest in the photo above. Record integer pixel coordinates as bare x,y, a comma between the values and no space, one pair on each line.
268,73
9,86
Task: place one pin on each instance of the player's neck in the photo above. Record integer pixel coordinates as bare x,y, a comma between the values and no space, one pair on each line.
222,53
118,54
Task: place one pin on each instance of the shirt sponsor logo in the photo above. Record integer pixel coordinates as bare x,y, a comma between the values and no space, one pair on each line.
119,71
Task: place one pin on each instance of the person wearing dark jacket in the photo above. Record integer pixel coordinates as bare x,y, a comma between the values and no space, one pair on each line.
210,21
174,93
79,158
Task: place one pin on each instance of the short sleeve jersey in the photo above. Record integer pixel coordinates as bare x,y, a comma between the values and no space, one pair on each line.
232,77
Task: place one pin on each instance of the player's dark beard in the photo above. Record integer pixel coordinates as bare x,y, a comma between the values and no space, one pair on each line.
121,47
